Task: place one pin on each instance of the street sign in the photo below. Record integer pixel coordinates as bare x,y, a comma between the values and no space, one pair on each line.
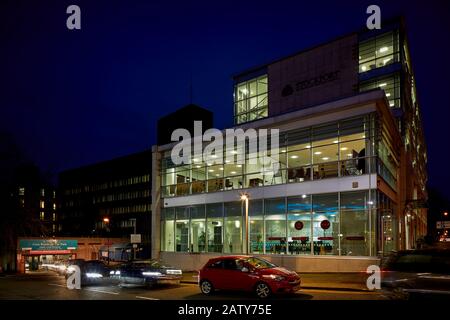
442,224
135,238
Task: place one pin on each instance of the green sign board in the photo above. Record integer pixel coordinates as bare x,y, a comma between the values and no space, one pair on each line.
48,244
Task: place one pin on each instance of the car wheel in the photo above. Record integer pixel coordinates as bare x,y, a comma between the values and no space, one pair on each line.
262,290
206,287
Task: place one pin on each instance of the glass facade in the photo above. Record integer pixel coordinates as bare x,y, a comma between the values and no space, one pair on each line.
379,51
344,148
320,224
391,86
250,100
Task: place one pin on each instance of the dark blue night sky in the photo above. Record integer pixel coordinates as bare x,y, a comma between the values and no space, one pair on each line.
72,98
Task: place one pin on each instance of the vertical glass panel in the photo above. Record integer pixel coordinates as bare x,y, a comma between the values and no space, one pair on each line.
275,220
326,224
182,235
354,224
214,213
233,227
256,226
198,235
299,224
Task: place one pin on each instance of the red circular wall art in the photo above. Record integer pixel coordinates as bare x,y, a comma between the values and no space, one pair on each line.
325,224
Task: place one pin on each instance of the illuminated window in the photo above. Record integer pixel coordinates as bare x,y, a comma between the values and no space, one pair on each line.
251,100
54,206
379,51
21,191
42,192
390,85
54,217
42,204
42,215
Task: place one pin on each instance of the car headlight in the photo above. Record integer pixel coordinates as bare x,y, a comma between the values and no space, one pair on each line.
149,273
274,277
118,272
111,272
93,275
177,272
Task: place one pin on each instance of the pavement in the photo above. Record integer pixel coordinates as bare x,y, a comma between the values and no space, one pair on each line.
316,281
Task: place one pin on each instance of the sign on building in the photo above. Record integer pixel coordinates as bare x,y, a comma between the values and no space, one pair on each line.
442,224
135,238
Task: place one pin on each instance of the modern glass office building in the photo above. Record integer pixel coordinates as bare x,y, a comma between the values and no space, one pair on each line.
350,181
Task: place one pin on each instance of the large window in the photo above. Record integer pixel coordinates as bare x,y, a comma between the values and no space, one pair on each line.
320,224
390,85
250,100
379,51
327,151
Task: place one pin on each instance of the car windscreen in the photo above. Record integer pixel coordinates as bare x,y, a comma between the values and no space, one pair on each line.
258,263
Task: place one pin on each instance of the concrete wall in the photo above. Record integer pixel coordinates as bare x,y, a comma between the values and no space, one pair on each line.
192,262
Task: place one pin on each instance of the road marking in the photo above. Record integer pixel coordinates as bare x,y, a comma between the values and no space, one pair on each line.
57,285
101,291
146,298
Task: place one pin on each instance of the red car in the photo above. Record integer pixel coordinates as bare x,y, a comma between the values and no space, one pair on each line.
247,273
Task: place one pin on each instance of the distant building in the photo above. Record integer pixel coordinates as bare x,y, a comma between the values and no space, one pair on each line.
182,118
352,157
108,199
30,208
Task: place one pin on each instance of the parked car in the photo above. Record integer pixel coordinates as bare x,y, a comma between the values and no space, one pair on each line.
247,273
147,272
415,274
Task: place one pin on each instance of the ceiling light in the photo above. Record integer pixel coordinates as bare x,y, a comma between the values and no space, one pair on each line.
283,150
384,84
344,148
197,166
388,94
336,141
210,170
233,152
233,172
239,166
364,68
384,49
325,158
317,152
294,157
349,155
308,146
221,169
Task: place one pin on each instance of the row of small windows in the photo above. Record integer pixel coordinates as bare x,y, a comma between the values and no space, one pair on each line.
111,184
127,209
122,196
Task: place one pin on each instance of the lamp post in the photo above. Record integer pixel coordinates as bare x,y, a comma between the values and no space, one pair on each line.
134,249
244,197
106,222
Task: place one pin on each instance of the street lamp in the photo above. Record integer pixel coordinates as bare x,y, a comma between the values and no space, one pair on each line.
244,197
106,222
445,214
